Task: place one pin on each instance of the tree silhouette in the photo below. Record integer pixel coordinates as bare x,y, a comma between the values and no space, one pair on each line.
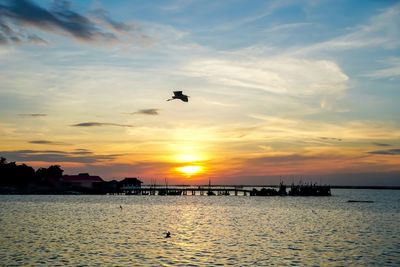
49,175
15,175
24,175
20,176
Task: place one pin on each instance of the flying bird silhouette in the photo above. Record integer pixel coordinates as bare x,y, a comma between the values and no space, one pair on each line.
179,95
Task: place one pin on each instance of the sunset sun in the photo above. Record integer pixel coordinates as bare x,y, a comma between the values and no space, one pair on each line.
190,170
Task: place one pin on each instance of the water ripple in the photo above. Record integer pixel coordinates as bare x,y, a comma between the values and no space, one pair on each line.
205,231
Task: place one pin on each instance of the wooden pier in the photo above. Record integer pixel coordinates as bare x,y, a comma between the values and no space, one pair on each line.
227,190
187,190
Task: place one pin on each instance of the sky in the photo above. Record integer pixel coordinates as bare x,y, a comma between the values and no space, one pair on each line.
279,90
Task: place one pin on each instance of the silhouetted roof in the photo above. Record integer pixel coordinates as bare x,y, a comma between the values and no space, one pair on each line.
131,180
82,177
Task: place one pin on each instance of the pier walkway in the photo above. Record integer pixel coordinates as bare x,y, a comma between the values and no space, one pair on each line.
187,190
226,190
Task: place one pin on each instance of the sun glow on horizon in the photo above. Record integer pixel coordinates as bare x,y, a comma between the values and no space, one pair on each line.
190,169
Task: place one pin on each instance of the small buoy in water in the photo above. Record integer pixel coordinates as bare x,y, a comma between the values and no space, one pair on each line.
167,234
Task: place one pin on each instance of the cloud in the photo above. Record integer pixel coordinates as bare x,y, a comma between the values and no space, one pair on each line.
150,111
381,144
81,151
268,8
97,124
287,26
104,17
331,138
16,15
288,159
392,71
77,156
46,142
306,163
32,115
34,39
293,77
380,31
394,152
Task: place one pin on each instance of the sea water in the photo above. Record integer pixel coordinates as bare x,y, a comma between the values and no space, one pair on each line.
56,230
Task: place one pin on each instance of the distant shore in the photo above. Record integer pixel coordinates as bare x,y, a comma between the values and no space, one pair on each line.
389,187
365,187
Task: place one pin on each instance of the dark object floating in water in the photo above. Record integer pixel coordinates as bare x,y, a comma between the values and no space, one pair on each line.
179,95
210,193
360,201
167,234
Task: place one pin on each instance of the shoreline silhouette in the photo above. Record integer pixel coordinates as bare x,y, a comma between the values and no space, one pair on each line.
23,179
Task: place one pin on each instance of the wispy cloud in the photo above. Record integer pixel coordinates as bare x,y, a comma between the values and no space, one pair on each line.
9,34
330,138
392,71
287,27
46,142
104,17
149,111
76,156
381,144
98,124
290,131
16,15
81,151
32,115
381,30
394,152
300,163
322,79
268,9
288,159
